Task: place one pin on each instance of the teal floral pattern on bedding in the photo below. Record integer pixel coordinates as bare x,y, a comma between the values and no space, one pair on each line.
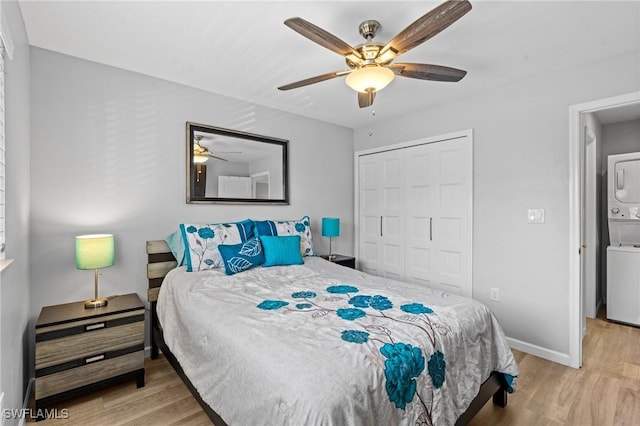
282,228
202,241
404,362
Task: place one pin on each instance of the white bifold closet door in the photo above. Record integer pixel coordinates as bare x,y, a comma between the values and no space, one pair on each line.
415,209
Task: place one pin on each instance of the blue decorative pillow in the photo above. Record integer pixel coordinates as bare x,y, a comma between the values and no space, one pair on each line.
241,257
176,245
202,241
301,228
281,250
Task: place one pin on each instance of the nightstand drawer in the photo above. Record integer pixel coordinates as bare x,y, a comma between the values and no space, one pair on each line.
90,373
96,338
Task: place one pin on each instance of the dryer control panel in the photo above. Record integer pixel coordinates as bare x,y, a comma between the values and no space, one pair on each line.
623,198
630,213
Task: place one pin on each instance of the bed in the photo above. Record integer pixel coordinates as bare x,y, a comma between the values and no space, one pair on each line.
319,343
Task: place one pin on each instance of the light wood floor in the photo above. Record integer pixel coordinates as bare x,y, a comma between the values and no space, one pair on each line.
605,391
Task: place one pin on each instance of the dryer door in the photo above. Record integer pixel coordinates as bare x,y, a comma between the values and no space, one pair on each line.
627,181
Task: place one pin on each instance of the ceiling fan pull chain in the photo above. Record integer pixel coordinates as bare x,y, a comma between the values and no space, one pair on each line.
373,114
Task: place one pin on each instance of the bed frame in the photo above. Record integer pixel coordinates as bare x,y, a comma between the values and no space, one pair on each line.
160,261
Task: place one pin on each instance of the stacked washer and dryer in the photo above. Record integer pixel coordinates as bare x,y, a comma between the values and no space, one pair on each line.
623,253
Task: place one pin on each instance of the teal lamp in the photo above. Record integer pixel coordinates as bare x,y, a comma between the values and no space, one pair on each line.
331,229
94,252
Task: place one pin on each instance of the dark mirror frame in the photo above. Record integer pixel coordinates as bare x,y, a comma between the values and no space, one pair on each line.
192,195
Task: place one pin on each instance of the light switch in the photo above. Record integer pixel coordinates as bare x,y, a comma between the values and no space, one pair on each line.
535,216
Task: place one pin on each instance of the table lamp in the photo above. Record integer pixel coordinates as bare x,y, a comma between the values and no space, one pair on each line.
94,252
331,228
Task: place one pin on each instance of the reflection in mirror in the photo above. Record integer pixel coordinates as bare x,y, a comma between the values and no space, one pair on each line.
228,166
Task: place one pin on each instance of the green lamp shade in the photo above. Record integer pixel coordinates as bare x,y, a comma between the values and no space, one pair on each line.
330,227
94,251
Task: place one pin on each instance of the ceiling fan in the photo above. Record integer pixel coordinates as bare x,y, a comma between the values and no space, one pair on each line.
370,64
201,153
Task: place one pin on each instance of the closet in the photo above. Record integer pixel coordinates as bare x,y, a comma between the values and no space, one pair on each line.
414,212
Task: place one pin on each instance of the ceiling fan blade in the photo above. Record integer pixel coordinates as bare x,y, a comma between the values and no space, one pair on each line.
365,99
321,37
428,72
426,27
217,158
316,79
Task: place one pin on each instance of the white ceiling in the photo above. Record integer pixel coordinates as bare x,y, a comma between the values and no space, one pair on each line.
243,50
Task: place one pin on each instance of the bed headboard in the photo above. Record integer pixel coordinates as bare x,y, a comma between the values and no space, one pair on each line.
160,260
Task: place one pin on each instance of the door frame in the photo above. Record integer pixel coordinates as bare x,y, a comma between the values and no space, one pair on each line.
422,141
576,165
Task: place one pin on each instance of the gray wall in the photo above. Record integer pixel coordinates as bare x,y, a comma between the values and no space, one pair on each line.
14,281
109,150
620,138
521,161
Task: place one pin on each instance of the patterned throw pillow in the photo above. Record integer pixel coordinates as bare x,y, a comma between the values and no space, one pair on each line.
281,228
241,257
281,250
202,241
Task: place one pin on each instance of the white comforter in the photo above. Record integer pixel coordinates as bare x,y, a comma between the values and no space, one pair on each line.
321,344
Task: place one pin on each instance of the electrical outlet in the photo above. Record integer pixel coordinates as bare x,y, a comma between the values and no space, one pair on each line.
495,294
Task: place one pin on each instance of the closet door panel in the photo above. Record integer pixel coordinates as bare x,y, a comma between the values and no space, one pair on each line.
392,213
452,221
381,200
369,221
420,209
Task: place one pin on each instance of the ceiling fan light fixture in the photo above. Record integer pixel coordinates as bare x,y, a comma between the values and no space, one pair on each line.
199,159
370,78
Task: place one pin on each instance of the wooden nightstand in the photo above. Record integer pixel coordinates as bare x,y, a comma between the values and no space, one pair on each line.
348,261
79,350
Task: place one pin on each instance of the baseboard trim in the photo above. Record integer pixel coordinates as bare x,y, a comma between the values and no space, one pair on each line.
539,351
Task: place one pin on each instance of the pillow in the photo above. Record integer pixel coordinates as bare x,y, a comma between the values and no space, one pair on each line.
280,228
176,245
202,241
241,257
281,250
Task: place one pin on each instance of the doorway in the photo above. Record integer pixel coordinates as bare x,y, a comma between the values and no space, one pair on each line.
578,139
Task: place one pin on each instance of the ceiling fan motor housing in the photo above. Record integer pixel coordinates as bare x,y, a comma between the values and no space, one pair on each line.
369,28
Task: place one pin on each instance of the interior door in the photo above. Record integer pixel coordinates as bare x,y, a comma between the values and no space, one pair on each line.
421,210
234,187
381,207
439,215
591,243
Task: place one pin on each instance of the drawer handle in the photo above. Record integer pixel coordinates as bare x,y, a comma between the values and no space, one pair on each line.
94,359
94,326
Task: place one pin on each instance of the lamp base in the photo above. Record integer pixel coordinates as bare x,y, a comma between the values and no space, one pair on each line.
95,303
331,257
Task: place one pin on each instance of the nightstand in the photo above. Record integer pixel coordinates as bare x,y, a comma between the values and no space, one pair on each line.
348,261
79,350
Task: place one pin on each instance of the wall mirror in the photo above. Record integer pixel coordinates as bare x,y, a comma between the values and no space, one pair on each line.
229,166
